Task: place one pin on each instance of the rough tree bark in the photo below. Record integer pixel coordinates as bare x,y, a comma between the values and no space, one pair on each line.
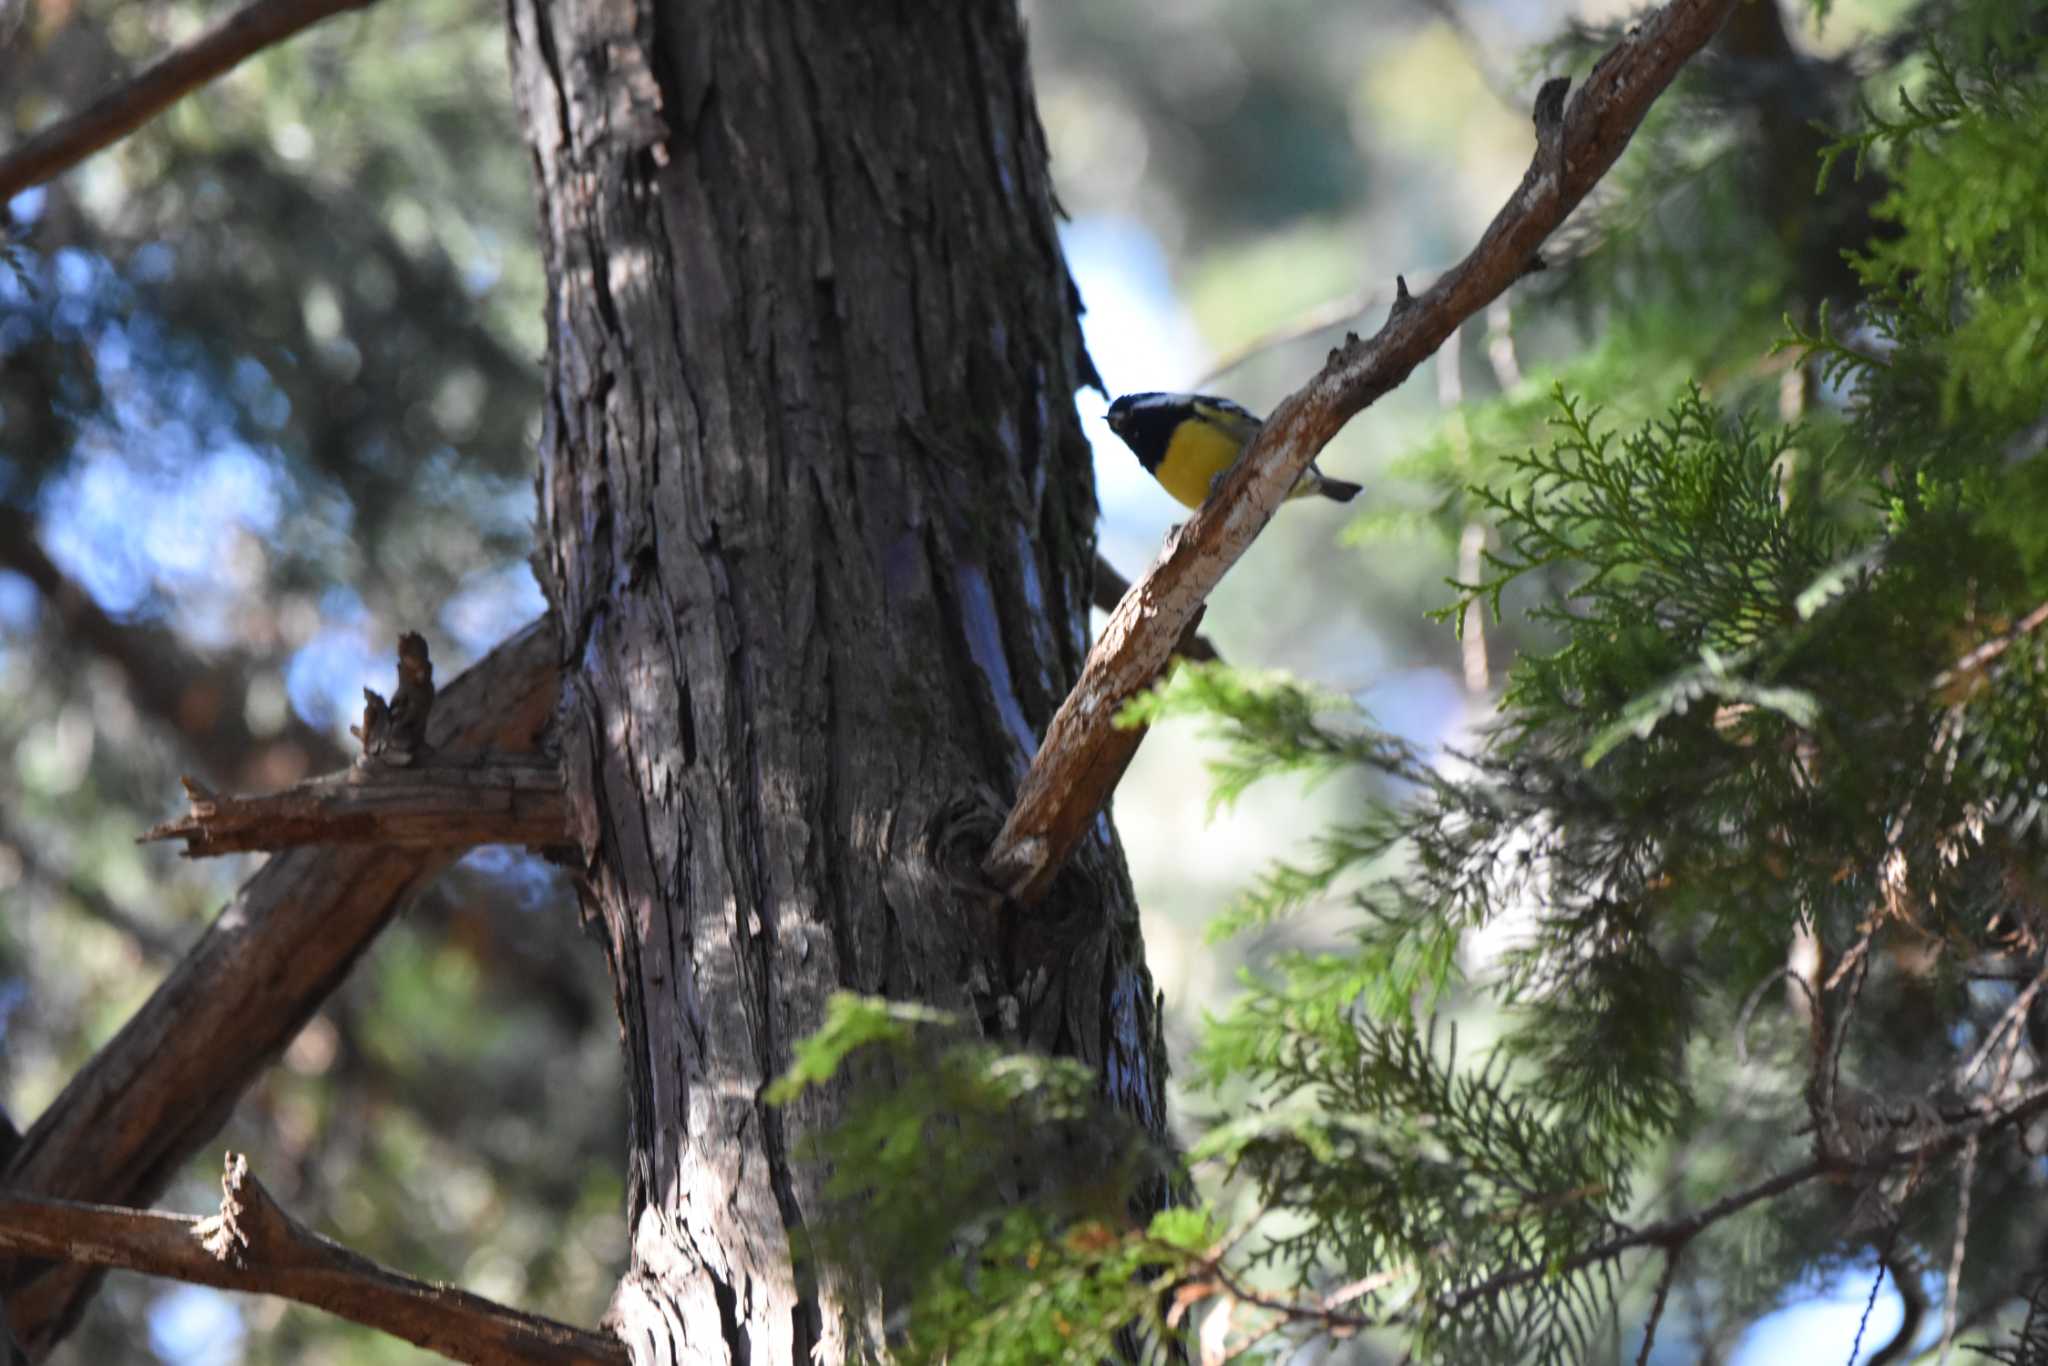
818,523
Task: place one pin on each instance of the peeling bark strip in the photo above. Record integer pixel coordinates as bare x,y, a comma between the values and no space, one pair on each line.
162,1087
1084,754
501,801
819,524
252,1245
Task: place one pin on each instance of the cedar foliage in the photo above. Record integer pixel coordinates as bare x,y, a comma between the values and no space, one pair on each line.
1759,822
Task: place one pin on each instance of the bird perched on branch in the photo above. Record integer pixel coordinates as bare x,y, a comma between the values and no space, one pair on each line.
1187,441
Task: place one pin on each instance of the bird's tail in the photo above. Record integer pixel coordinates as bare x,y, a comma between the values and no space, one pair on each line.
1337,490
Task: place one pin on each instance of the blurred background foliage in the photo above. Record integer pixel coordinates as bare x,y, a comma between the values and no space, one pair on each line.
269,384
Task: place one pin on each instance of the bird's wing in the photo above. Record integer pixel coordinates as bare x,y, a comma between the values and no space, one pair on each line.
1227,415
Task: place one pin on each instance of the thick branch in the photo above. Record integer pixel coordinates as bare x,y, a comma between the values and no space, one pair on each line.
127,107
444,806
1109,589
1084,754
162,1087
253,1245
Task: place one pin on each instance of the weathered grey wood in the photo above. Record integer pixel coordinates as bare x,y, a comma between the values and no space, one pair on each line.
162,1087
449,806
818,519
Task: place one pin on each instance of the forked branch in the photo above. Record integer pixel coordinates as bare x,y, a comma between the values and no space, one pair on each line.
253,1245
1084,754
163,1086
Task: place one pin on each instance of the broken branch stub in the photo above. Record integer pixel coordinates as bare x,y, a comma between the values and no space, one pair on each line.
396,734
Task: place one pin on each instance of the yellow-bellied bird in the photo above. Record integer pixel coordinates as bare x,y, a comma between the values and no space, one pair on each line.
1187,441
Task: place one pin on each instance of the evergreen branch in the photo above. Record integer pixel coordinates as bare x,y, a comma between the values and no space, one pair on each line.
1084,754
127,107
1942,103
1671,1234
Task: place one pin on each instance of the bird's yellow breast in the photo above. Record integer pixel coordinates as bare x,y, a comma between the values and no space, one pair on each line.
1196,454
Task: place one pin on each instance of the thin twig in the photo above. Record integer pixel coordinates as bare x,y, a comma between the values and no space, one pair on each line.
2010,1019
1670,1233
1992,648
1657,1305
1828,1066
127,107
1955,1255
1321,318
1876,1284
1753,1000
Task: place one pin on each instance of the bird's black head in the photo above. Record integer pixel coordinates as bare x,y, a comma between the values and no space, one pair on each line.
1123,413
1146,422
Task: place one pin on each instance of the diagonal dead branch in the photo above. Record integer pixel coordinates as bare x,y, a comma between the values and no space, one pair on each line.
1084,754
445,806
161,1088
252,1245
1109,590
127,107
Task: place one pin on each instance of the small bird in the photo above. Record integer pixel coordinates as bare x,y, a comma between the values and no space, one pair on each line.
1187,441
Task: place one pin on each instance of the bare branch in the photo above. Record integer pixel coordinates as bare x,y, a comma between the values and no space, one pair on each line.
162,1087
2015,1015
1991,649
1955,1256
1321,318
1671,1234
1210,1279
1110,587
1884,1264
127,107
382,799
1084,754
252,1245
446,806
1664,1280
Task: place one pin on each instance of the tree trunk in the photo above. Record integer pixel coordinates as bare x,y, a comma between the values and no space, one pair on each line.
818,521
